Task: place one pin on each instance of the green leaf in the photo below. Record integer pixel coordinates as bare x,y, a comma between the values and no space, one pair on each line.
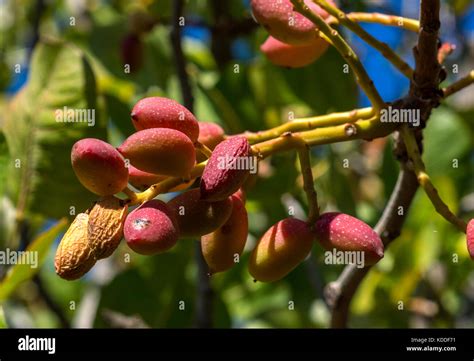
40,145
447,138
22,272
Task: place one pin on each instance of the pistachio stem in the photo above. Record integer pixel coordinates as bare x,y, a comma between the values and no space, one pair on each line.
384,19
367,129
130,194
308,183
309,123
383,48
363,129
459,85
425,181
205,151
346,51
167,184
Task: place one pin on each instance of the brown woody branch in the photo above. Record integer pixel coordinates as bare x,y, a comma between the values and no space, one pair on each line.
339,294
175,37
425,82
204,297
425,95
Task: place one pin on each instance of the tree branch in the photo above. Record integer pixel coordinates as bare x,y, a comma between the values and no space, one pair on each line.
425,181
459,85
204,291
425,95
40,9
339,294
425,81
378,18
309,123
308,184
205,294
175,37
53,306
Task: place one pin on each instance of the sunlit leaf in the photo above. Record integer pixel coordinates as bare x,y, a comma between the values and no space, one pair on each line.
446,139
40,141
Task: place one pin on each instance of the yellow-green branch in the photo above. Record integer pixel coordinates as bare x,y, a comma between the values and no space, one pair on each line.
166,185
362,129
309,123
384,19
383,48
132,196
205,151
324,129
308,183
425,181
346,51
459,85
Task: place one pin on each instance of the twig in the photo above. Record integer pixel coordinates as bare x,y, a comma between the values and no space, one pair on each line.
51,303
205,151
130,194
175,36
460,84
204,297
385,19
205,294
425,181
309,123
165,185
424,89
339,293
346,51
38,14
383,48
363,129
308,184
